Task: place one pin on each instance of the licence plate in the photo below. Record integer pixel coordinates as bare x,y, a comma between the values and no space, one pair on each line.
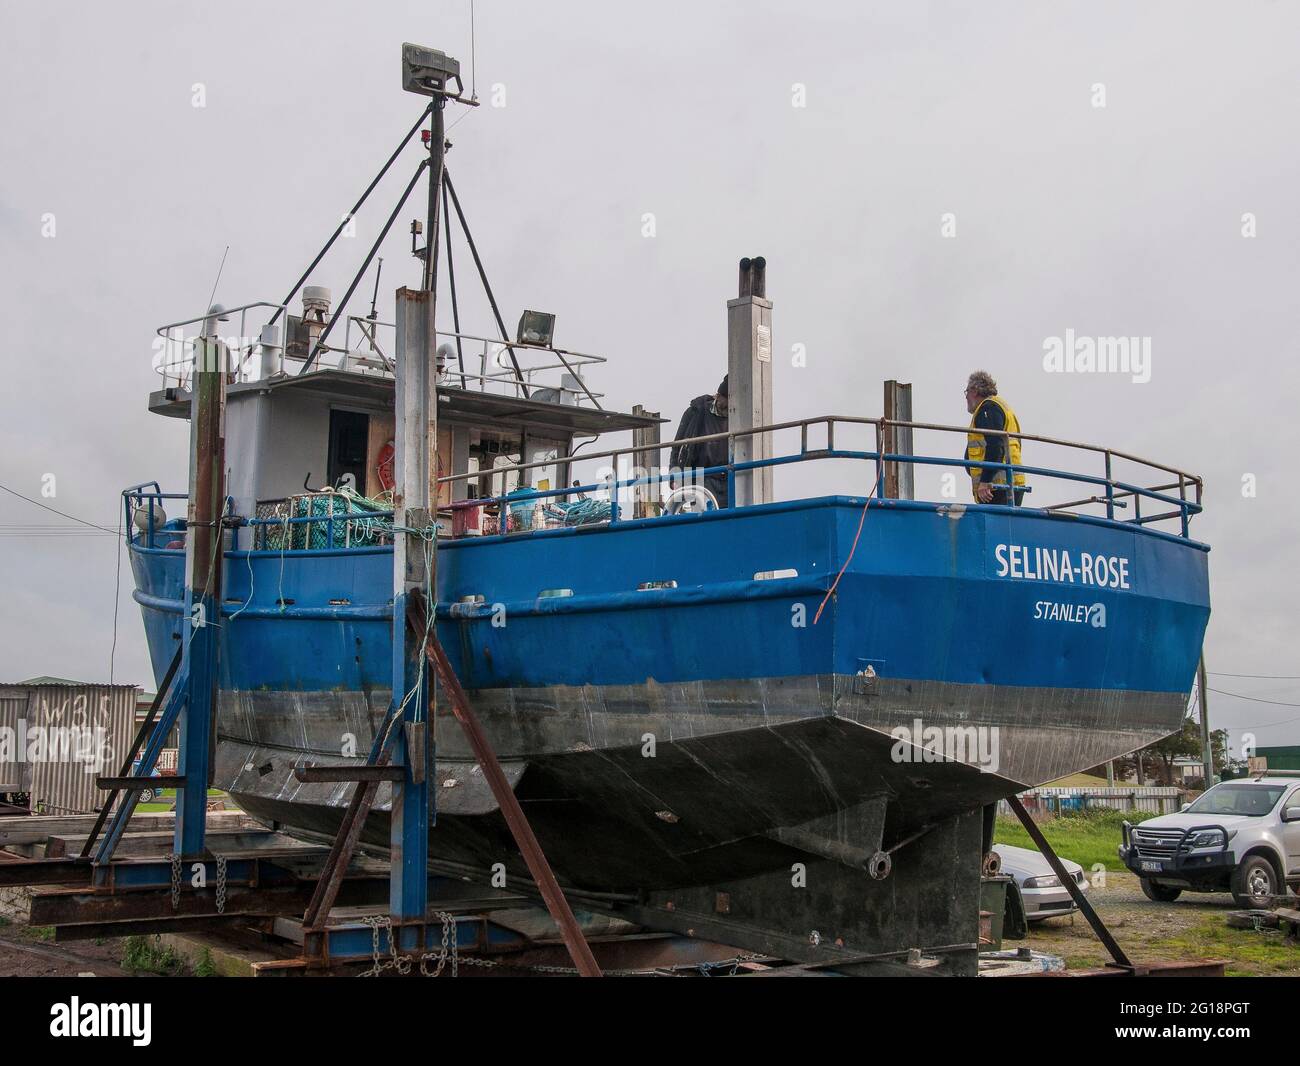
1152,867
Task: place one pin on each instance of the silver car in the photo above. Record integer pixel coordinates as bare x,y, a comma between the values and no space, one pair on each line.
1041,890
1241,837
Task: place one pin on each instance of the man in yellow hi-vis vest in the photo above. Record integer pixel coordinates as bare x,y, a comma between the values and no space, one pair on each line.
990,412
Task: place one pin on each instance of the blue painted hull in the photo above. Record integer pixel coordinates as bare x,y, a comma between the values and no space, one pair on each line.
922,600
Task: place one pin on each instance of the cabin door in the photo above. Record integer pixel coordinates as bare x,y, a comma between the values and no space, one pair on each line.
349,436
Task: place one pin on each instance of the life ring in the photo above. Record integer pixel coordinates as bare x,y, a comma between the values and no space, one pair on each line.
384,468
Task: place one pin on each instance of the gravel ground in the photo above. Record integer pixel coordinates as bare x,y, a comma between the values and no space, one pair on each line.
1191,927
22,955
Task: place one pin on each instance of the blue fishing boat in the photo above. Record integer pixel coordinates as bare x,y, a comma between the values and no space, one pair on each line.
782,724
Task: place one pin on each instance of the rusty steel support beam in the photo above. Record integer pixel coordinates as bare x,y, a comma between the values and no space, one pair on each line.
61,871
1067,882
529,848
341,851
64,934
71,909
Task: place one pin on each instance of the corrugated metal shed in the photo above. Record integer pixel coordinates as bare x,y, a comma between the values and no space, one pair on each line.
61,736
15,773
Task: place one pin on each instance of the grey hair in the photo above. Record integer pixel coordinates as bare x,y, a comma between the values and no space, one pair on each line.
983,384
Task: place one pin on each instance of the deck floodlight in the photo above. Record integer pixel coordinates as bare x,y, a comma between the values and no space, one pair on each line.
536,327
427,71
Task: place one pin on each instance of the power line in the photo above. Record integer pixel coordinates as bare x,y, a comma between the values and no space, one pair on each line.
71,534
1262,677
1254,699
61,514
61,529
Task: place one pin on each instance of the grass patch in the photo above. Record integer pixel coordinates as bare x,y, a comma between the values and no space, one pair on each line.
1249,953
167,799
40,932
147,954
170,793
204,966
1086,837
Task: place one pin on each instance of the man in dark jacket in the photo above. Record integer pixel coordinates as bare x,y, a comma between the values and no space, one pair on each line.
989,411
705,415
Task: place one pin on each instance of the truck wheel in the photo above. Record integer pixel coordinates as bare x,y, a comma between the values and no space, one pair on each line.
1159,893
1254,882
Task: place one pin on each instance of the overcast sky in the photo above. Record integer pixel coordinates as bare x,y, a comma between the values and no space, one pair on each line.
1126,219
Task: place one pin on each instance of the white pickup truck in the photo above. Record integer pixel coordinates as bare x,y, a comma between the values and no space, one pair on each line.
1240,836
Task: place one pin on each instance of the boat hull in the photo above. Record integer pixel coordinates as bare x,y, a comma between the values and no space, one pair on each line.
679,703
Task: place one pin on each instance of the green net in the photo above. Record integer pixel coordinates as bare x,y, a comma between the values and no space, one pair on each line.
348,520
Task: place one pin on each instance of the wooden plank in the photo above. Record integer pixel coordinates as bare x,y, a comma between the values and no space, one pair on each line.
159,844
35,829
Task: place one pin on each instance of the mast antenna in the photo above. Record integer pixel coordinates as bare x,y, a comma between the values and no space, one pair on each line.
430,72
374,299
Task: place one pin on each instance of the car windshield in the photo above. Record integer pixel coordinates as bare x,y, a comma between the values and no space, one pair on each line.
1250,800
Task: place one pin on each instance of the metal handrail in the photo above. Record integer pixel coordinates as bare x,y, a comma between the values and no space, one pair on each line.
880,458
1116,490
136,494
224,312
1186,508
830,420
567,358
184,367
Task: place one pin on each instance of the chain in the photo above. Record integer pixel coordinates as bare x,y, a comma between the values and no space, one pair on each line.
711,969
707,969
450,950
176,881
487,964
400,963
221,884
449,936
377,968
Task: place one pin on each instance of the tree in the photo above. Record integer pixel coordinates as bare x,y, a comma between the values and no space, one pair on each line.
1187,741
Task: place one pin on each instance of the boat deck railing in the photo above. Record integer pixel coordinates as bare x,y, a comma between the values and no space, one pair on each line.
1170,494
470,361
632,485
